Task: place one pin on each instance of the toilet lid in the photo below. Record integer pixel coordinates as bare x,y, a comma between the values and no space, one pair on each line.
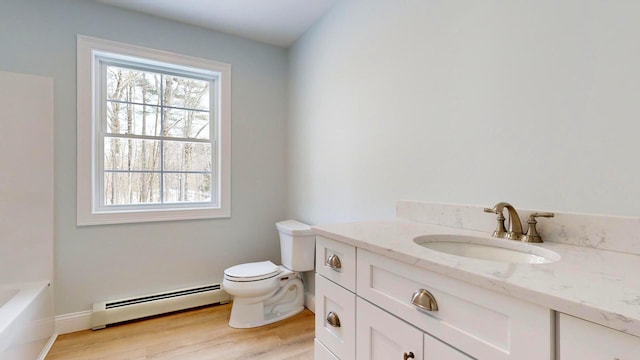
252,271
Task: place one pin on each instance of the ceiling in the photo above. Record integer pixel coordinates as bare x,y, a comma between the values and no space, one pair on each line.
276,22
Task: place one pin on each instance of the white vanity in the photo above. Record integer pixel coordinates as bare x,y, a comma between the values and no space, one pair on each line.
380,295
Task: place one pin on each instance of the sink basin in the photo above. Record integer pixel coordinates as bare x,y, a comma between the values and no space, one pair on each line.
501,250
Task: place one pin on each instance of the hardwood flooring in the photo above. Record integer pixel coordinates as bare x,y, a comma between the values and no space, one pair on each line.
201,334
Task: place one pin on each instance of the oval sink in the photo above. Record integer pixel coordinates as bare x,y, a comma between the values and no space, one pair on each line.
492,249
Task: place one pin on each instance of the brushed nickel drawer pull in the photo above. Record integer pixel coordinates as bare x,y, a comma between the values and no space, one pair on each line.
409,355
333,319
424,300
333,262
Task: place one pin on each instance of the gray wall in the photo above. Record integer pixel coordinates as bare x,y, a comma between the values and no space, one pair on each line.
105,262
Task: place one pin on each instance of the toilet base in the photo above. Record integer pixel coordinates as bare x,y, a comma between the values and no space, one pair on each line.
245,322
286,302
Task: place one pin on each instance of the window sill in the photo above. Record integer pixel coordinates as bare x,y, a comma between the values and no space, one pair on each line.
125,217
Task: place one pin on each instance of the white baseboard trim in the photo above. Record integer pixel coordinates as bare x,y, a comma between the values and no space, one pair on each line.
47,347
79,321
310,302
73,322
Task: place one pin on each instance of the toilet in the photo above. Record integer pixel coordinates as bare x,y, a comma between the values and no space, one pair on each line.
264,292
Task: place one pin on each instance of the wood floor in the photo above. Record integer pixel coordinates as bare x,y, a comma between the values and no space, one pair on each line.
200,334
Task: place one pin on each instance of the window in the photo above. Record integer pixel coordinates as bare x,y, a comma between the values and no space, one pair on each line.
153,135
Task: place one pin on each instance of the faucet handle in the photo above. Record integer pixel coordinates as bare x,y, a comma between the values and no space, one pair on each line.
543,214
500,231
532,234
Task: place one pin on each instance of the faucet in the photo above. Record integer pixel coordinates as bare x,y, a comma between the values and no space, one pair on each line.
515,226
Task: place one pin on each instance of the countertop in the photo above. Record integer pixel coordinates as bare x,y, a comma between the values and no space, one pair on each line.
593,284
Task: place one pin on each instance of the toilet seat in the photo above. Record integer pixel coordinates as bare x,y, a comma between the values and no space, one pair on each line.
254,271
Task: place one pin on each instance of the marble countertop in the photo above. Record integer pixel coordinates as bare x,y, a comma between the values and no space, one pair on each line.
597,285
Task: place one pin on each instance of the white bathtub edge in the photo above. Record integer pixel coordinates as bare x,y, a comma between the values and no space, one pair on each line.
68,323
47,347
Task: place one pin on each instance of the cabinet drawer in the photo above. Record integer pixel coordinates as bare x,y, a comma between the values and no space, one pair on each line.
335,318
481,323
580,339
320,352
336,262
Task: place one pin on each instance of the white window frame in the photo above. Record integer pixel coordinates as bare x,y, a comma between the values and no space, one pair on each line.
90,210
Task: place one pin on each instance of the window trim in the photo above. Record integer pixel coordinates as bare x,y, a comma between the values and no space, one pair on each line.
88,48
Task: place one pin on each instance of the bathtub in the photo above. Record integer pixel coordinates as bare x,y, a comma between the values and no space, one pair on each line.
26,320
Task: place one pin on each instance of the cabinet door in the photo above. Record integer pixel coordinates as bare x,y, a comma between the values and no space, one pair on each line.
335,318
320,352
382,336
434,349
580,340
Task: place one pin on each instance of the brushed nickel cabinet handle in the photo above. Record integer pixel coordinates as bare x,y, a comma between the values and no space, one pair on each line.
409,356
333,319
424,300
333,262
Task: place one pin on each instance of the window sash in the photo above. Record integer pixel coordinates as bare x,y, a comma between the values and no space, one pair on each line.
100,204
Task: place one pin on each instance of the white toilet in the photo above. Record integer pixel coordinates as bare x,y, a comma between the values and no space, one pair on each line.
263,292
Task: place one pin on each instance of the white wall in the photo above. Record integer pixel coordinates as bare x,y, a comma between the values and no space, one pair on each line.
106,262
26,178
474,102
534,102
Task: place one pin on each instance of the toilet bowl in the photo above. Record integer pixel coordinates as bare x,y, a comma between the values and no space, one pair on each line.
264,292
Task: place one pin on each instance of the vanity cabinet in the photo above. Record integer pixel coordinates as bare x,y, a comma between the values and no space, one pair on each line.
392,310
580,339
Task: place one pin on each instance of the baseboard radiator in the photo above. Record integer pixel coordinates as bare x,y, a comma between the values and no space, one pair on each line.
116,311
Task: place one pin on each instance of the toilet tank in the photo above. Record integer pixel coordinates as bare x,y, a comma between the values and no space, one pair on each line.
297,245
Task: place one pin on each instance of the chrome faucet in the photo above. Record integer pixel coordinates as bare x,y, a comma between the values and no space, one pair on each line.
515,226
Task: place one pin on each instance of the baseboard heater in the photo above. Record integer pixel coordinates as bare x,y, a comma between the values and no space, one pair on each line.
116,311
